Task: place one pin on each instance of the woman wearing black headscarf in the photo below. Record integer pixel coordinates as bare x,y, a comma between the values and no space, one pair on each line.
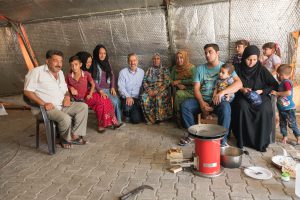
252,123
104,78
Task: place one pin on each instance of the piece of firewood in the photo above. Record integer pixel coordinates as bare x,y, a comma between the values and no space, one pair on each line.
174,153
176,169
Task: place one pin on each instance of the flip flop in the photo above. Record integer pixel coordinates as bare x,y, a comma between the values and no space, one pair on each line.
79,141
65,144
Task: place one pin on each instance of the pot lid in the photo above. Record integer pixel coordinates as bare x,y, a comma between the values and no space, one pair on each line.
207,131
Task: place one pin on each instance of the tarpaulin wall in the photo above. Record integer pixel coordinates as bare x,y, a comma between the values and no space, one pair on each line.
194,26
12,64
156,29
143,32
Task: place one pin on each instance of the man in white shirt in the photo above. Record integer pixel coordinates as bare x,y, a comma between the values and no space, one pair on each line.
46,86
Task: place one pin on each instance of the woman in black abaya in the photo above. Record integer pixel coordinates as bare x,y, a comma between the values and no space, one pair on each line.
252,124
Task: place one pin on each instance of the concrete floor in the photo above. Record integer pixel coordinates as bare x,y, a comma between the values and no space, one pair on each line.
118,161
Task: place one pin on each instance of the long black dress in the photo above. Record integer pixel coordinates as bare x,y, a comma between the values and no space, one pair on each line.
251,125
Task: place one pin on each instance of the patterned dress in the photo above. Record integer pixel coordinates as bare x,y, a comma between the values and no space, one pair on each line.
156,108
182,95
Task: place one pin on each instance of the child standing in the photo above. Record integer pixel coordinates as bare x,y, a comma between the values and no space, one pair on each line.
285,103
224,80
240,46
272,52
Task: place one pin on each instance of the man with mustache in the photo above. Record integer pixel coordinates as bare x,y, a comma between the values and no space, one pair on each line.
46,86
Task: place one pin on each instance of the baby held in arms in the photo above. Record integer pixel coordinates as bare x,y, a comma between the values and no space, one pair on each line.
224,80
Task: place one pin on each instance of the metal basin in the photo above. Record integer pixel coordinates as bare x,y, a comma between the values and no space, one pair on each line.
231,157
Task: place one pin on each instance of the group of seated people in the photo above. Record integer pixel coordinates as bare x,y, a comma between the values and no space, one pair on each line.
243,86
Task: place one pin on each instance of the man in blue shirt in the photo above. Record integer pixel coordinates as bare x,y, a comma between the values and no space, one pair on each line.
129,83
204,85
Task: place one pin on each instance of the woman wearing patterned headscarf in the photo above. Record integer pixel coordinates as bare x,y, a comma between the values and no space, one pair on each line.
182,81
156,102
104,78
252,124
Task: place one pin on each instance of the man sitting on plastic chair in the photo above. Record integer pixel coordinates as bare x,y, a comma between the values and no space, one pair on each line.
46,86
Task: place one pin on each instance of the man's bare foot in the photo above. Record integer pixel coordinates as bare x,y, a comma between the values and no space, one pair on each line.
284,140
74,137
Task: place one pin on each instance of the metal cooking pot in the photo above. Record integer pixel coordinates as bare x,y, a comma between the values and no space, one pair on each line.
207,131
231,157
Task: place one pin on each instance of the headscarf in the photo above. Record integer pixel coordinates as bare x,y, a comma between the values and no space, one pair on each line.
83,56
184,70
103,64
156,54
249,72
155,70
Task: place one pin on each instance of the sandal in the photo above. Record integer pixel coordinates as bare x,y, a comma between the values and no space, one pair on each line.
117,126
185,141
101,130
79,141
65,144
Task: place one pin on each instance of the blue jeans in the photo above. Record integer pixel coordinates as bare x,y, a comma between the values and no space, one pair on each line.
117,104
288,117
191,107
